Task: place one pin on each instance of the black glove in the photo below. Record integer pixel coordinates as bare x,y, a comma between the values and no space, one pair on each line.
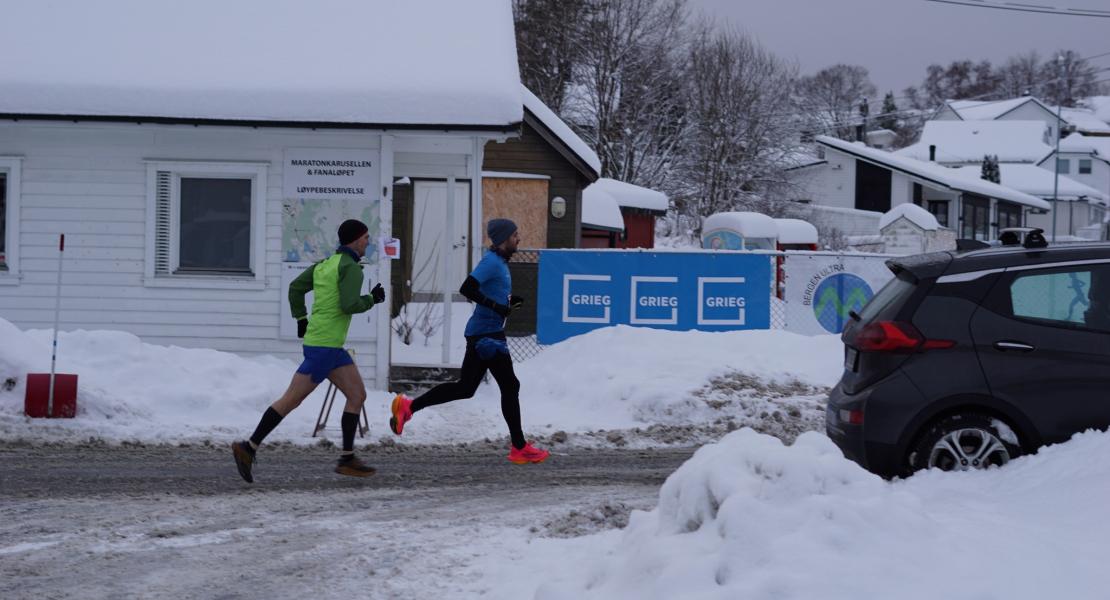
516,302
378,294
302,327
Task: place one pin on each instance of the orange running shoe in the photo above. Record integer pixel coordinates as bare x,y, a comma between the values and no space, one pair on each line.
528,454
402,412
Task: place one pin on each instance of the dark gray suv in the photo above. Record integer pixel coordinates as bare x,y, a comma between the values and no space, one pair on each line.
967,360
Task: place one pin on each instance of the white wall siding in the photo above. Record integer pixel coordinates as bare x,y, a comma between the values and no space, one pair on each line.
1031,111
89,182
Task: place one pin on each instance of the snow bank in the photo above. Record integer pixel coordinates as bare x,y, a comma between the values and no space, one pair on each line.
750,518
129,390
613,378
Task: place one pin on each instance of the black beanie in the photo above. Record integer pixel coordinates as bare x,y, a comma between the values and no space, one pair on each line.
351,230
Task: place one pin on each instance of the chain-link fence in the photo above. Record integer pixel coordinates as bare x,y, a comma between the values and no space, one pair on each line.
521,326
811,292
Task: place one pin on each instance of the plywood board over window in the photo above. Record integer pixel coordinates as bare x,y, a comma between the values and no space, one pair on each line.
522,200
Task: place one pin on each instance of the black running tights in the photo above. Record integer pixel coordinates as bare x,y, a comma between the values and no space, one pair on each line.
473,369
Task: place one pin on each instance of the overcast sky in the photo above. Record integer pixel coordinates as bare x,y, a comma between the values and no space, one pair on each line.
897,39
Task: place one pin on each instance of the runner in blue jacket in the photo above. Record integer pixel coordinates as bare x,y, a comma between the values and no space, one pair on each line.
489,287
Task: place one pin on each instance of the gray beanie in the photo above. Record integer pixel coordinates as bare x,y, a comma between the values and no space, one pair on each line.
499,230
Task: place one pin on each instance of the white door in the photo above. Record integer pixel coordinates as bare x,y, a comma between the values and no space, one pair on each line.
431,274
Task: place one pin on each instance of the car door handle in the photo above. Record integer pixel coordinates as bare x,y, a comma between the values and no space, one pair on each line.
1008,345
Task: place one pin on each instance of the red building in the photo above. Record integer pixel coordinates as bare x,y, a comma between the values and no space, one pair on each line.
616,214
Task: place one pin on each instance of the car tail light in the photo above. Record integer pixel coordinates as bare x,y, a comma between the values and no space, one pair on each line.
851,417
894,336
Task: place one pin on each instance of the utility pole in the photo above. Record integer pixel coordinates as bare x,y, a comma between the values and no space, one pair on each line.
1056,167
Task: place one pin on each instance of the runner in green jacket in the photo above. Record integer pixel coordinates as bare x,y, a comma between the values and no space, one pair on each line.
335,283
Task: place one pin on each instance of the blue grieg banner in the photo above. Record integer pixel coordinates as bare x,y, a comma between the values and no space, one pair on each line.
580,291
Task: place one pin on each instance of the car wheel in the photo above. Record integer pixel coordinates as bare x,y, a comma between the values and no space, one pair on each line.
963,442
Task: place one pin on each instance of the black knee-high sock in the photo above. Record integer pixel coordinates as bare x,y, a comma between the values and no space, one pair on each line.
350,423
269,421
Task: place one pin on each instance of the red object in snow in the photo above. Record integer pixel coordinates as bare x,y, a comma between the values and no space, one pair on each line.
38,395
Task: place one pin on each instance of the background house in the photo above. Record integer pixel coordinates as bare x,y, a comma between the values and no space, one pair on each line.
855,177
639,207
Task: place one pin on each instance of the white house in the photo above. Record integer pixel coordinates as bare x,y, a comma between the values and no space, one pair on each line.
1026,108
196,162
853,176
1021,133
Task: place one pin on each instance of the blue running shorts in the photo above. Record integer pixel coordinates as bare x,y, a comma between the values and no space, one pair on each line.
319,361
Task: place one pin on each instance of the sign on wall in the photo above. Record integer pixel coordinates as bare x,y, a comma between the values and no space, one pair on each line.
580,291
331,174
823,289
322,188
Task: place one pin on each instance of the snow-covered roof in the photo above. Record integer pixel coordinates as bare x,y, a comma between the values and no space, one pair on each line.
796,231
1084,120
932,173
1100,106
968,141
747,224
331,61
631,196
1037,181
1084,144
914,213
600,210
988,110
561,130
800,158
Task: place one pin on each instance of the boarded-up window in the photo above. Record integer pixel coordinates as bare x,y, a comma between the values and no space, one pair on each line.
522,200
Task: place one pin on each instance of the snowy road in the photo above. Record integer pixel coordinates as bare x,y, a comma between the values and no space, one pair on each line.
130,522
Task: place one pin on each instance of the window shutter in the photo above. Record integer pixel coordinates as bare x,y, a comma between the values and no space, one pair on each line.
162,222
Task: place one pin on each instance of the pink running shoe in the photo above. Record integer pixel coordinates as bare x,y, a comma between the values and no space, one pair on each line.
528,454
402,412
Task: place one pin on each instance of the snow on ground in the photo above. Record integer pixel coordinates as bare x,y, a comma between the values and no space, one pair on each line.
748,517
621,385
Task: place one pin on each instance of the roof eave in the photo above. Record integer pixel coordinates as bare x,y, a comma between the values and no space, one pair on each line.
260,123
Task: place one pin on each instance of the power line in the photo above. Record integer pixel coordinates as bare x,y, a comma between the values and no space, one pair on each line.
1030,8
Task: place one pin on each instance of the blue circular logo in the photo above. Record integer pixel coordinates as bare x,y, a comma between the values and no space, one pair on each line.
838,295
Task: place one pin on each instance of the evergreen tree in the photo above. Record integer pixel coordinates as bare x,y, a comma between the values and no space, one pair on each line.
990,169
888,120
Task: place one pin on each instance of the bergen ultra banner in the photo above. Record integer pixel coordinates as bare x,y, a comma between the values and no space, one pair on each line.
822,289
580,291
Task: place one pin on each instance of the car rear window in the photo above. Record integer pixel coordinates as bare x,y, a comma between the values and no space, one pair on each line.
893,294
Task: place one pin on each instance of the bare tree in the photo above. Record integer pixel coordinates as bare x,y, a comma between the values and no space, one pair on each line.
1068,78
830,99
548,46
628,104
1020,75
740,135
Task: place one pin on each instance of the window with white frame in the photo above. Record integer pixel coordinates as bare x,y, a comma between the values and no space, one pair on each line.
9,217
1063,165
1084,166
206,220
